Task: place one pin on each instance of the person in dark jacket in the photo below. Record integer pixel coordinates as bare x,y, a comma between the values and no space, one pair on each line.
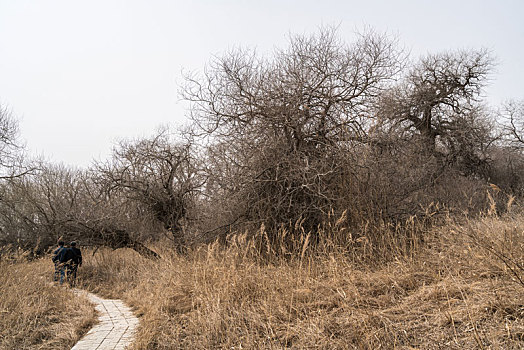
65,257
56,259
76,261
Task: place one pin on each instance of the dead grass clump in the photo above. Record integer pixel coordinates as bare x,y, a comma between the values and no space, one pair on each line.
110,273
37,314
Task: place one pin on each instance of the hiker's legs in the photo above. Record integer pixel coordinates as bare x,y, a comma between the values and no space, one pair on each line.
62,274
72,274
68,274
57,273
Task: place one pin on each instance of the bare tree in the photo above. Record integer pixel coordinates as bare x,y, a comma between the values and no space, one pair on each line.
54,202
507,168
107,219
161,176
324,125
513,122
11,149
279,126
314,93
36,207
438,96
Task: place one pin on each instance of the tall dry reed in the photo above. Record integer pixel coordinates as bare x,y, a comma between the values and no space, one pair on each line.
36,313
435,289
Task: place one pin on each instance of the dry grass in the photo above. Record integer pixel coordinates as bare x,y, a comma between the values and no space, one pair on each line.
450,292
34,312
454,287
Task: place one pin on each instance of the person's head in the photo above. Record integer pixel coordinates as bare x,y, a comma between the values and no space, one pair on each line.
73,244
61,243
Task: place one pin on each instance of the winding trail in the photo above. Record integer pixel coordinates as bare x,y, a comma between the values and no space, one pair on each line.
115,329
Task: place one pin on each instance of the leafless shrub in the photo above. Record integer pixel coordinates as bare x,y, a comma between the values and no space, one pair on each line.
325,126
57,202
507,169
160,177
281,125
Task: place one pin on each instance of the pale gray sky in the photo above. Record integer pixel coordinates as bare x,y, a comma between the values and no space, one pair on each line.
82,74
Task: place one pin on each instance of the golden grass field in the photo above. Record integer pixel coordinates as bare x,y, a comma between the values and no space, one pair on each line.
459,288
34,312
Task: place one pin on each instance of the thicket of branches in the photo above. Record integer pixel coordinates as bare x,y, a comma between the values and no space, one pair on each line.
321,128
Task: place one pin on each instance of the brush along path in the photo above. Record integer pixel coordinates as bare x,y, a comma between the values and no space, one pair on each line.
116,328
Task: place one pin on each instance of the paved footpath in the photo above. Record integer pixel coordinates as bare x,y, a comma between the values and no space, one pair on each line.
115,329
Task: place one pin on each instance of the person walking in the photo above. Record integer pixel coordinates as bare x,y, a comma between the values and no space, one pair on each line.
56,259
76,261
65,257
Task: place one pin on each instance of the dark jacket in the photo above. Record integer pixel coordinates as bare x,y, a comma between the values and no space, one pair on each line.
66,256
56,253
77,259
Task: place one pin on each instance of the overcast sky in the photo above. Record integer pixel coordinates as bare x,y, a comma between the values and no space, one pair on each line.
79,75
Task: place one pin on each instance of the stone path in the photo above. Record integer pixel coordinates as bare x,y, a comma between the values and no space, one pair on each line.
115,329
